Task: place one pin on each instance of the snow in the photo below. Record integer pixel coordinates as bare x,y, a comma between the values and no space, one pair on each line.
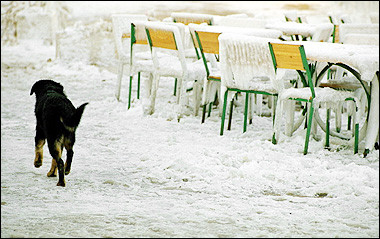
135,175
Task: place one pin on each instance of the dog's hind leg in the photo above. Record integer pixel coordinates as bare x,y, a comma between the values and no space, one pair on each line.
70,154
53,169
39,145
55,149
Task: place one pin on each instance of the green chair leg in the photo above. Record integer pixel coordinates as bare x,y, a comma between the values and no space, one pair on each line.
130,92
138,85
230,116
209,109
203,113
349,123
175,87
223,112
309,125
245,112
356,147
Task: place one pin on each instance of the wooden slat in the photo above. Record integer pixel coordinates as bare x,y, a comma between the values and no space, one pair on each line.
194,38
162,39
341,86
140,34
336,34
209,41
188,21
126,35
287,56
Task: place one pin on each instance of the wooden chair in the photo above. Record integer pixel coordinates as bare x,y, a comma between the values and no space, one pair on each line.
209,47
121,24
245,68
289,56
167,37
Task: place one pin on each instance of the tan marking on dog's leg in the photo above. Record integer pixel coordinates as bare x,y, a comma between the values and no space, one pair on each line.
39,151
70,153
53,169
60,165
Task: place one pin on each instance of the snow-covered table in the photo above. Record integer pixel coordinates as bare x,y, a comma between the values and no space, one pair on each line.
293,28
259,32
363,62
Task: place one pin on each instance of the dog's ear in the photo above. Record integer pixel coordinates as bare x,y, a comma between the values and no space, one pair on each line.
34,88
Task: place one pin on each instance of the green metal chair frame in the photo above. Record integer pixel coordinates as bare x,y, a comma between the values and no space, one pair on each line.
287,62
133,42
212,48
247,92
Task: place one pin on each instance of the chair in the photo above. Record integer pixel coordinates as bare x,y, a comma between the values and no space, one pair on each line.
209,47
187,19
291,56
126,41
246,68
167,37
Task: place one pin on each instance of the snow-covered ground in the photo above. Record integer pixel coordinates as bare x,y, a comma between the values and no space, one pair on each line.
149,176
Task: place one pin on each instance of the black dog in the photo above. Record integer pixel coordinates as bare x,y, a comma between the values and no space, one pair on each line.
57,121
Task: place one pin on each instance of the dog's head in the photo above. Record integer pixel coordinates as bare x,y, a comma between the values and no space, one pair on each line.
42,86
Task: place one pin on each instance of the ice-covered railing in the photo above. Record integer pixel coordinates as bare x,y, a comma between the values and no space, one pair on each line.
356,28
186,18
245,62
32,20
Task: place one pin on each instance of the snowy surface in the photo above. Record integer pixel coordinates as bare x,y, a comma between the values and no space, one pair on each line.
149,176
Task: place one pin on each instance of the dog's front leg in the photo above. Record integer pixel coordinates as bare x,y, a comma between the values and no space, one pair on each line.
61,173
55,149
53,169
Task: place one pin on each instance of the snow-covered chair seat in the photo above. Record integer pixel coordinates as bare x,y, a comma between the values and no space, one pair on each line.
293,56
245,67
167,37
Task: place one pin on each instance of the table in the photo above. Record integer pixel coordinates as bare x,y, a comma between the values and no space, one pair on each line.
293,28
258,32
363,62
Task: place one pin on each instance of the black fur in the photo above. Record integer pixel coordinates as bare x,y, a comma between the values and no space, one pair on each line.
57,121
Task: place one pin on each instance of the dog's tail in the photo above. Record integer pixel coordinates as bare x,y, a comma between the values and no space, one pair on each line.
75,118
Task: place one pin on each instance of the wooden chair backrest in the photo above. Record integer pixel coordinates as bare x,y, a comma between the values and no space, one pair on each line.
187,21
287,56
208,41
161,38
137,35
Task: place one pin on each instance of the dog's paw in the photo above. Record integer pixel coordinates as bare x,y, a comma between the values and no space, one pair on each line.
38,162
51,174
61,183
67,172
